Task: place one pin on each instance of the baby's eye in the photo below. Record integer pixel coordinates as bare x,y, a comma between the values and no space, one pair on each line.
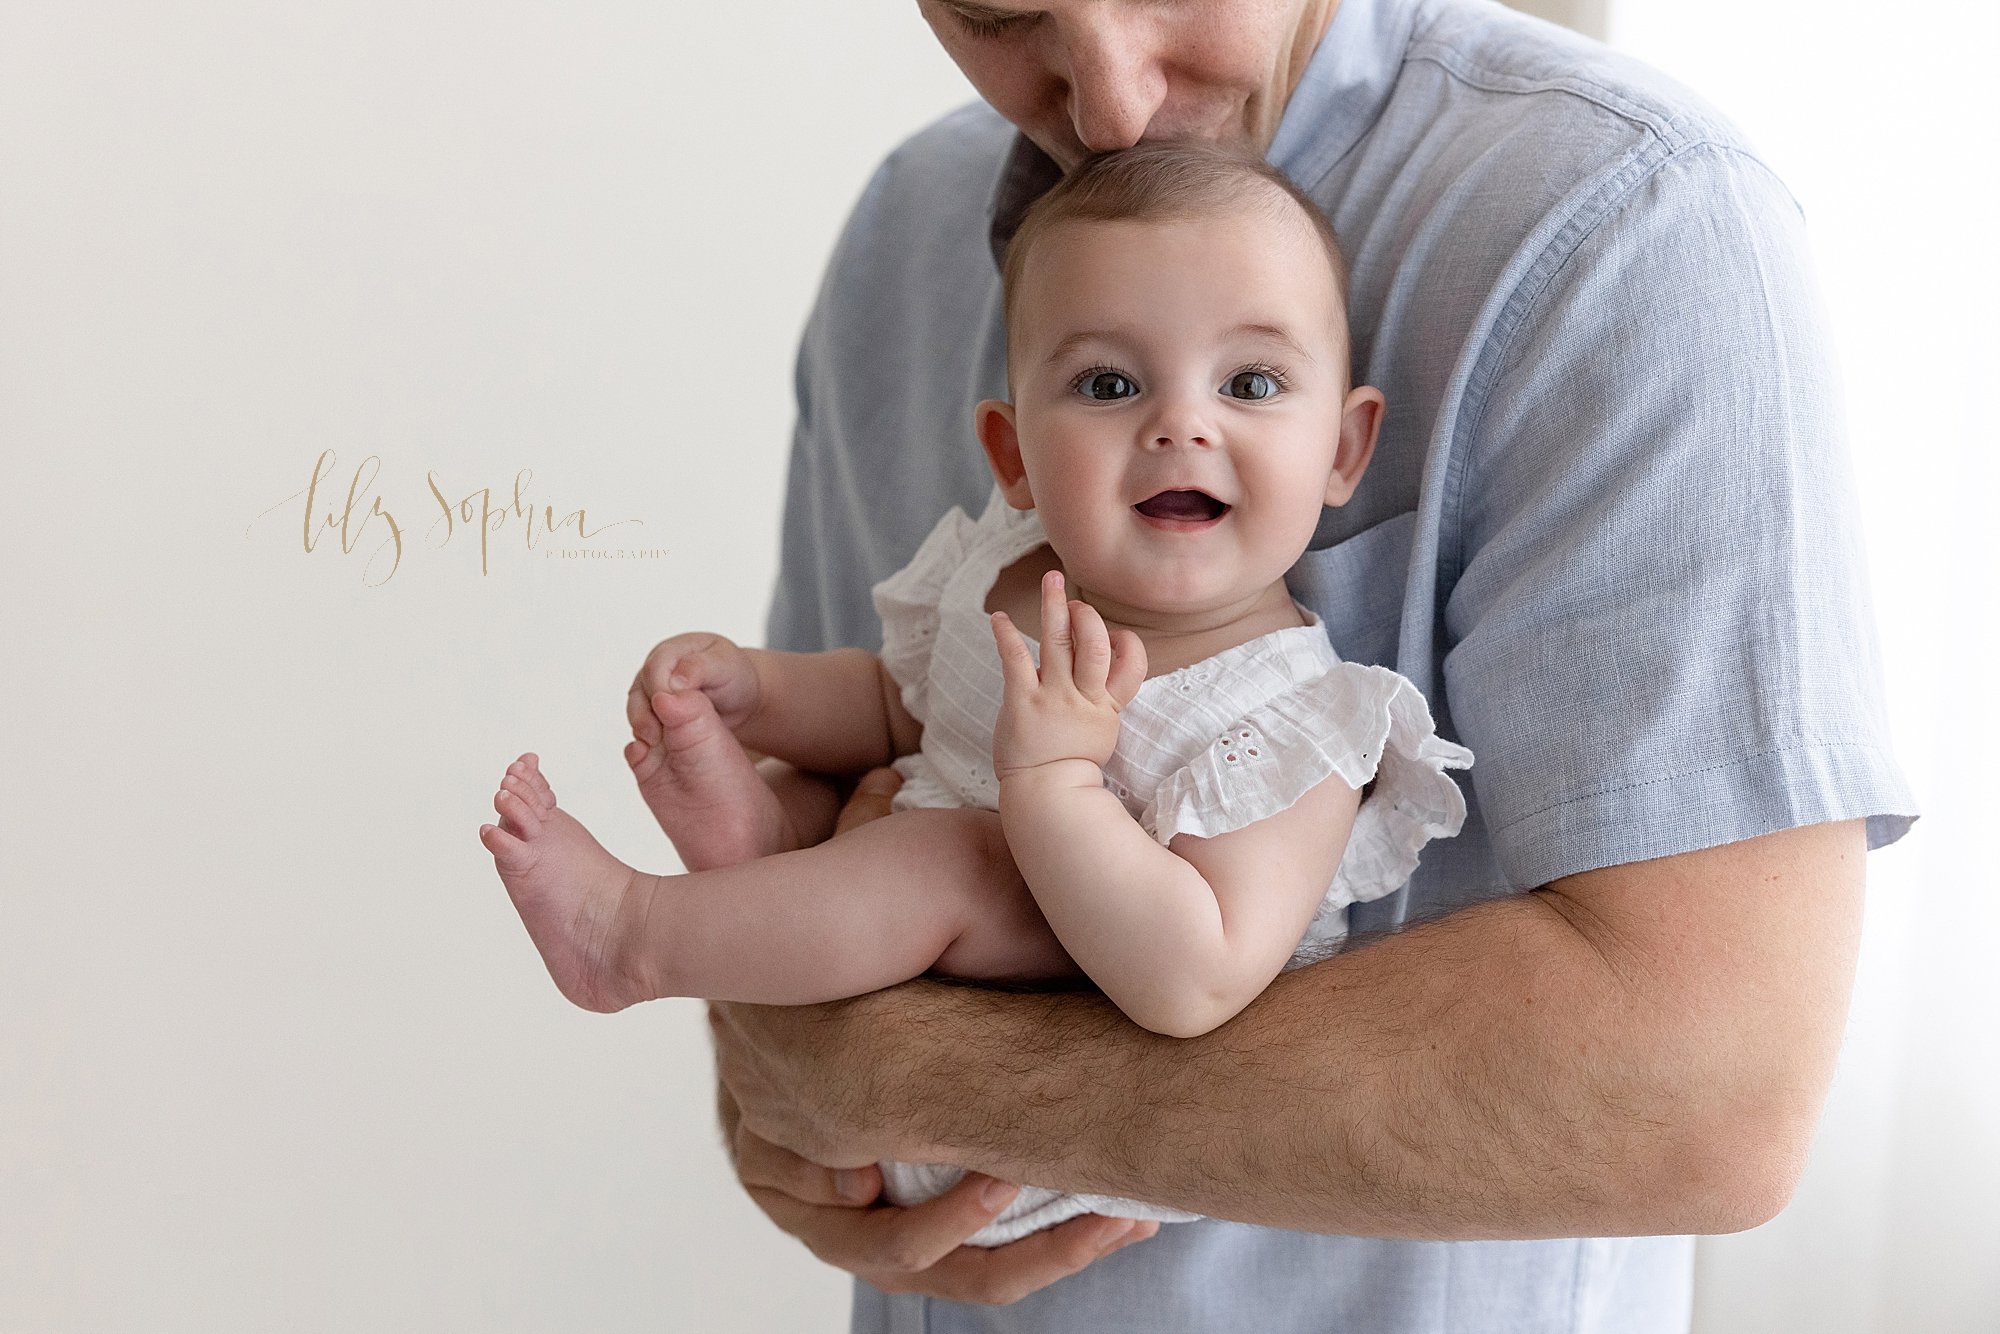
1105,385
1253,385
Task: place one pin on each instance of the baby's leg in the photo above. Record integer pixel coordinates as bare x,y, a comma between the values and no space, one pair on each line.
579,903
701,786
872,908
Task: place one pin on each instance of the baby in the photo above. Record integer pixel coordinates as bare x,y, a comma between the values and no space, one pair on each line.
1177,755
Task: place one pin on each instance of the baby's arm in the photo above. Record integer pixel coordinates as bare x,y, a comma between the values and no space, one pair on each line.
838,712
1180,938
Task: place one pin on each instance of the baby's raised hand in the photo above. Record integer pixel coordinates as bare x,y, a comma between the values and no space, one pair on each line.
1069,708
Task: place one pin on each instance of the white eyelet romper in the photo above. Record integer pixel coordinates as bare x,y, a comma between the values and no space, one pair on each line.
1212,747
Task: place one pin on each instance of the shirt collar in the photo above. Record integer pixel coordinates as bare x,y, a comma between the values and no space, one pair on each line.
1343,90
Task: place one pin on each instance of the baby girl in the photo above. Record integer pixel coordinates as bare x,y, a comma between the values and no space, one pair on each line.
1177,755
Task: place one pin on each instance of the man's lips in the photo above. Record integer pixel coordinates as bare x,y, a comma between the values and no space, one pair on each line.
1182,508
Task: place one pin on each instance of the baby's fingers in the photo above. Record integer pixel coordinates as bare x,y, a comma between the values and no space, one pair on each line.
1128,667
1056,634
639,712
677,664
1017,664
1093,649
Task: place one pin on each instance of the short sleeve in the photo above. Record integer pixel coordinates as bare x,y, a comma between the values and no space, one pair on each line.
1659,637
907,602
1357,722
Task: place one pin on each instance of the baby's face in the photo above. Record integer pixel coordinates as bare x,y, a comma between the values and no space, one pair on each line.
1180,390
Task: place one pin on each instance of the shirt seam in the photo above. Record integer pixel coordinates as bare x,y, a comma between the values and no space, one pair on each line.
1804,744
1601,206
1583,220
1488,79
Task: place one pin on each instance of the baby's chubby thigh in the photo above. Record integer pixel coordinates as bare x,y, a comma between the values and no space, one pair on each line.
1003,936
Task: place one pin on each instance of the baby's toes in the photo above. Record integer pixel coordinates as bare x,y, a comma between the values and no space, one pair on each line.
531,790
644,758
530,787
537,790
517,816
509,853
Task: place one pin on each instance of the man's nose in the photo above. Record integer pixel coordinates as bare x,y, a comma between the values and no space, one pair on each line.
1115,81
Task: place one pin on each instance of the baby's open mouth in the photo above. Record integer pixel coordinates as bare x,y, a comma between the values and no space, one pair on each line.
1182,506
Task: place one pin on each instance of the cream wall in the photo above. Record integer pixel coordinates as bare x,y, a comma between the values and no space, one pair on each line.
274,1050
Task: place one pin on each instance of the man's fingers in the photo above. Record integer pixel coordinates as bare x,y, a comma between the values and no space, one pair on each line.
762,1164
1128,667
920,1249
1006,1274
1017,663
1093,649
890,1246
1056,636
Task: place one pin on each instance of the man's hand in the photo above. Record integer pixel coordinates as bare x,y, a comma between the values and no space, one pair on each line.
920,1249
1069,709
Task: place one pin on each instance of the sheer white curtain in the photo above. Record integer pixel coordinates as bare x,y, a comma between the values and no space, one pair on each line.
1882,121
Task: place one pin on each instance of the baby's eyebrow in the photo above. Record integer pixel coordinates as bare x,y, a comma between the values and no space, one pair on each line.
1078,339
1274,333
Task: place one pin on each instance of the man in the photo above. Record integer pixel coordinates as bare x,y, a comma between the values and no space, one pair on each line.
1608,532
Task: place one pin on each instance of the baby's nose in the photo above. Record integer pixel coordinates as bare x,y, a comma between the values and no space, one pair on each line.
1179,419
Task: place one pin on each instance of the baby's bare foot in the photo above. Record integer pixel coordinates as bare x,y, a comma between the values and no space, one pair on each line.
584,909
703,789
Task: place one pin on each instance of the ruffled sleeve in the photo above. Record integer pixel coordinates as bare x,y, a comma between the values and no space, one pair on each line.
1360,722
907,602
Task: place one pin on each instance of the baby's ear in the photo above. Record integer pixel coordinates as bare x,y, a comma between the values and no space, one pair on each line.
994,421
1360,423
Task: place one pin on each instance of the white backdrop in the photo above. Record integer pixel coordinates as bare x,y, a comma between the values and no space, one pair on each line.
1883,123
274,1051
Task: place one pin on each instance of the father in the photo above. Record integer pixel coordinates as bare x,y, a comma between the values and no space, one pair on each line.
1608,532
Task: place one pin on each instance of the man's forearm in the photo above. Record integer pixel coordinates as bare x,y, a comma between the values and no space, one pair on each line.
1494,1074
1369,1095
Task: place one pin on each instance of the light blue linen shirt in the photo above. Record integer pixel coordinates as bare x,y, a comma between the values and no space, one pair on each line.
1609,531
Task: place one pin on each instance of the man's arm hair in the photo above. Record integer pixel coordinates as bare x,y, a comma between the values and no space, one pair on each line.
1638,1050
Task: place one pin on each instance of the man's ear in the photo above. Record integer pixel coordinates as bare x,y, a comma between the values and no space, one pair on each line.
1360,423
994,421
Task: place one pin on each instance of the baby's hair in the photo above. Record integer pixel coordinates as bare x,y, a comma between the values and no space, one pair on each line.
1162,182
